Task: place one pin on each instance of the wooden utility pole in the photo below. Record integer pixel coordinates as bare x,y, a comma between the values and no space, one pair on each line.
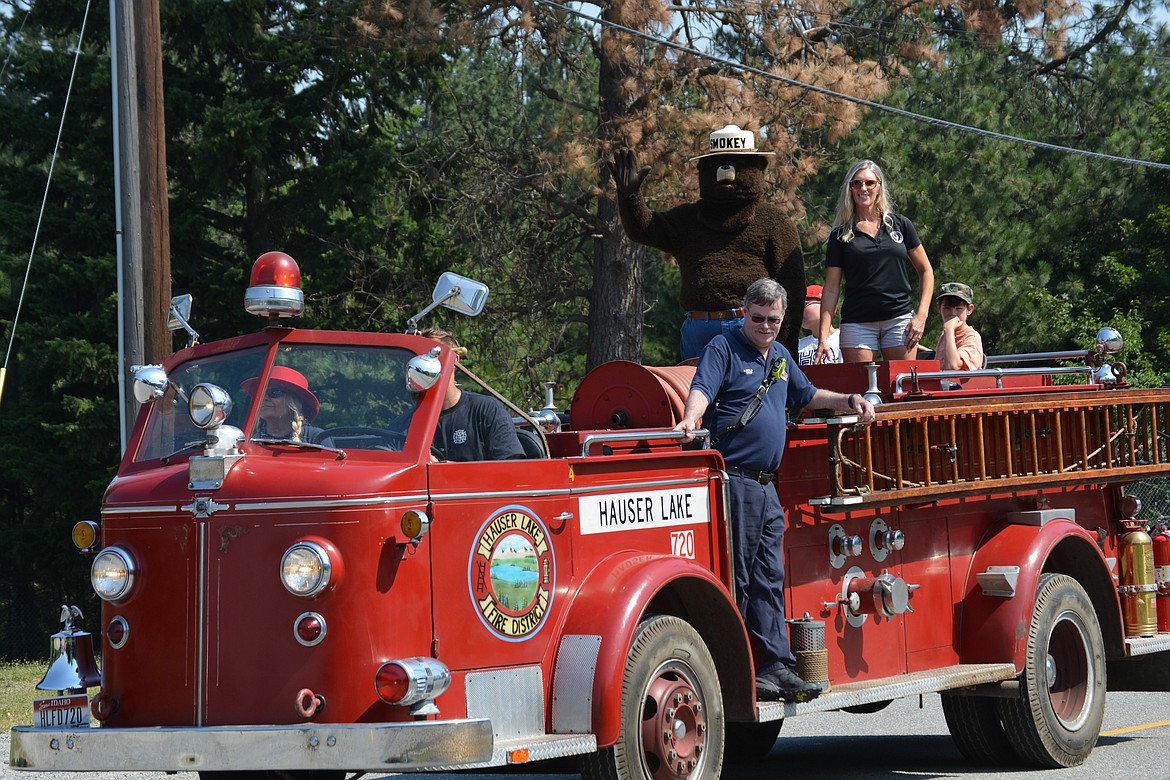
144,273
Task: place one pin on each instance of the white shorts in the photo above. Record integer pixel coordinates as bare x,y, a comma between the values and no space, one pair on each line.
875,336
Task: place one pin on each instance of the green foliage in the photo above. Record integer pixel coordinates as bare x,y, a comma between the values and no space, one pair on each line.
1046,239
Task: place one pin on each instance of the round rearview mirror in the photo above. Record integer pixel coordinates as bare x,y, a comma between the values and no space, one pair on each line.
150,382
423,371
1109,341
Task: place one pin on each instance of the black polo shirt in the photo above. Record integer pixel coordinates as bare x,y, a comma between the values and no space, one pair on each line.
876,270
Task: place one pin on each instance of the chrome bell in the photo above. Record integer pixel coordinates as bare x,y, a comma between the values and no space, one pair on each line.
72,667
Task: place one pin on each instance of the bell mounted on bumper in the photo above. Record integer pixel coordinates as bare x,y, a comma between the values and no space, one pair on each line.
72,666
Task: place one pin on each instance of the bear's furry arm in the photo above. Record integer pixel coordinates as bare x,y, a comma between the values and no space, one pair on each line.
644,226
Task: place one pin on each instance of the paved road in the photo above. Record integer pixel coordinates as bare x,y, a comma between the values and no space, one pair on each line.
902,741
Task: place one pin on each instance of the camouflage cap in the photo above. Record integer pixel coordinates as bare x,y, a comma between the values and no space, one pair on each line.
957,290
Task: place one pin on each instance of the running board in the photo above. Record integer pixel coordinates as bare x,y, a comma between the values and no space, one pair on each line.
888,688
1141,645
539,747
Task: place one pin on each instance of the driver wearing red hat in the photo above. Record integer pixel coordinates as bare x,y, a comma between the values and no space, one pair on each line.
287,408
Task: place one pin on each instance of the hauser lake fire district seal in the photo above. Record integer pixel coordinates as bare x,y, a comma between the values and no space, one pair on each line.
512,573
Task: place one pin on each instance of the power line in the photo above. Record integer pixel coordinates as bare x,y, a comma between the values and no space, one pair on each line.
44,199
850,98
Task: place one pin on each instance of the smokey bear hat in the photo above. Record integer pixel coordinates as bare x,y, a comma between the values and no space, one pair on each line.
732,140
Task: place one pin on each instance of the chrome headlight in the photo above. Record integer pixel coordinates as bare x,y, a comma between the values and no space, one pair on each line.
112,574
305,569
209,405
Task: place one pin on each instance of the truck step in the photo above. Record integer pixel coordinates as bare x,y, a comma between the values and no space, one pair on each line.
887,688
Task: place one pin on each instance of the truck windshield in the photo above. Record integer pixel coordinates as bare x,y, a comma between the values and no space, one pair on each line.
335,396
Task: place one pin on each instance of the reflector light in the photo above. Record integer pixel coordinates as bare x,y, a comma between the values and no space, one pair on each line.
117,632
411,680
310,629
1130,506
275,287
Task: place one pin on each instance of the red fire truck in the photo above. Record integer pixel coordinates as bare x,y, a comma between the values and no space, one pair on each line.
312,606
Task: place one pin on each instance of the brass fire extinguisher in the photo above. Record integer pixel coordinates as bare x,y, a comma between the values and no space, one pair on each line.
1138,588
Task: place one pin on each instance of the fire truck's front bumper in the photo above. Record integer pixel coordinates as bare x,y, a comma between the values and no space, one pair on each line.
360,747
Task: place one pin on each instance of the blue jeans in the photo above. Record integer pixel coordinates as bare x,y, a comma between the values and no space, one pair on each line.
696,333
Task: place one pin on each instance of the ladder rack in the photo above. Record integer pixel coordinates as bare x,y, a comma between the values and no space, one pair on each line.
926,450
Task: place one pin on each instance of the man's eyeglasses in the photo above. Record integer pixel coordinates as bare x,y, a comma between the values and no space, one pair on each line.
276,392
760,319
868,184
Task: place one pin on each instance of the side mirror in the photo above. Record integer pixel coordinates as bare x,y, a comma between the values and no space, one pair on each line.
461,294
454,292
179,318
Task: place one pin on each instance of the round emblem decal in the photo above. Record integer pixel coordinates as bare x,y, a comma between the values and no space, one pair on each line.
512,574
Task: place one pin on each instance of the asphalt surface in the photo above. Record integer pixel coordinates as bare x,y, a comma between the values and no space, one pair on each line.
908,739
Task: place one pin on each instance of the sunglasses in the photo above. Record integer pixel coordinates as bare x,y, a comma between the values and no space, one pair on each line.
759,319
868,184
276,392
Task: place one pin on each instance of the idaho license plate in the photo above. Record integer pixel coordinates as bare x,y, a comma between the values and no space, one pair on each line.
61,712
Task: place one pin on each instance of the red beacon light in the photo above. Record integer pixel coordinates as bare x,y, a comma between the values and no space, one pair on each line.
275,287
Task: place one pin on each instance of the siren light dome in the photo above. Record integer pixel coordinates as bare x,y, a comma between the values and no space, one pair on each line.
275,287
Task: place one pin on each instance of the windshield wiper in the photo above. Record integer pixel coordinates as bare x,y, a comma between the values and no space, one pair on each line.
341,454
166,459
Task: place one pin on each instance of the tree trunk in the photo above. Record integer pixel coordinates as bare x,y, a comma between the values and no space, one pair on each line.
617,300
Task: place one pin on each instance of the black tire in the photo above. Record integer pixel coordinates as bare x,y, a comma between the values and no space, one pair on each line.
672,709
750,741
977,731
1057,718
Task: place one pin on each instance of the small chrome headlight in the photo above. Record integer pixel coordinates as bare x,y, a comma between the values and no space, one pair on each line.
209,405
112,574
305,569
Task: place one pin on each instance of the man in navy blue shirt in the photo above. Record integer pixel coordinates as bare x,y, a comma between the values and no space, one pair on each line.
728,379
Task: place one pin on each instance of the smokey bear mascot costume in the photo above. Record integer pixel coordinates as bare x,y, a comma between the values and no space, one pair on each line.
723,242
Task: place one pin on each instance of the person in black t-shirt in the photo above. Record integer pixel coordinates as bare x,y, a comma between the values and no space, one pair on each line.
871,249
471,426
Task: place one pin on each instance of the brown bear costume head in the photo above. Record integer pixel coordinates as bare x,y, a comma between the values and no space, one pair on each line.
732,178
730,186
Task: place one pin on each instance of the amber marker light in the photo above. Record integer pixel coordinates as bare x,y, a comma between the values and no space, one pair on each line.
85,534
415,525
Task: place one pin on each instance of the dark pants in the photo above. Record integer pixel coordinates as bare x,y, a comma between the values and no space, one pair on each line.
757,527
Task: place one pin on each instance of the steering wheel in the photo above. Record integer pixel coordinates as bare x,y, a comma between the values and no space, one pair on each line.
388,440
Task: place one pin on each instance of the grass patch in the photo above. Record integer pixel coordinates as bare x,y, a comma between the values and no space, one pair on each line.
18,688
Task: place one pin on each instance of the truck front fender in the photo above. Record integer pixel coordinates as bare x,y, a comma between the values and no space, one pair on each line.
608,606
993,623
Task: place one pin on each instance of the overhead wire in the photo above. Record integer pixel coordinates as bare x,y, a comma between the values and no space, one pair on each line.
12,43
929,120
44,199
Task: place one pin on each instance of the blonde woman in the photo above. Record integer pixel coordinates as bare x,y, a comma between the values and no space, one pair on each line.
871,250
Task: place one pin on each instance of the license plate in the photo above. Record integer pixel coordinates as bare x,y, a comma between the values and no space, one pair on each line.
61,712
